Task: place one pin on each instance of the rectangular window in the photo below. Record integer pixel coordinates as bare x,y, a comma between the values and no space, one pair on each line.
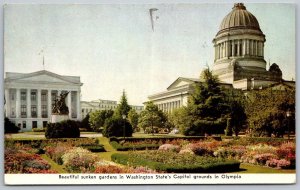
34,124
24,124
44,111
44,96
23,96
23,110
33,111
45,124
33,96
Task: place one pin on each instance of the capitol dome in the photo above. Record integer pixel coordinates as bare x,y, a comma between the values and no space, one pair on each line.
239,18
239,41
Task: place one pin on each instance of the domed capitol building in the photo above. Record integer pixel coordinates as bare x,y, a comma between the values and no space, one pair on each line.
238,62
239,50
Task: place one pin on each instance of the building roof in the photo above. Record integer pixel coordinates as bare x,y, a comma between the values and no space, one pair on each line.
239,18
12,76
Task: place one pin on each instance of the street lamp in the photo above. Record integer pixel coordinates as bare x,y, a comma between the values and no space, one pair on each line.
288,115
124,117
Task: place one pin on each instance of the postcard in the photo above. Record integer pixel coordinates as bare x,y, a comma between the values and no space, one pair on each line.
170,93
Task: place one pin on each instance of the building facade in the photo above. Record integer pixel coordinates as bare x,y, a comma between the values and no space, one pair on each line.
177,94
29,97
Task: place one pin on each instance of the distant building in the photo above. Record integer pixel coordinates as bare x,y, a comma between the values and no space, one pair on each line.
29,97
239,62
138,109
90,106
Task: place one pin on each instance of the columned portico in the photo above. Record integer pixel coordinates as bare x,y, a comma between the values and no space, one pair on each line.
28,97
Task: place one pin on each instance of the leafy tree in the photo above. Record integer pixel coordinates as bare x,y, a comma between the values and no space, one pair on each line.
181,119
117,127
123,108
133,118
207,105
98,117
266,111
236,116
85,123
152,117
10,127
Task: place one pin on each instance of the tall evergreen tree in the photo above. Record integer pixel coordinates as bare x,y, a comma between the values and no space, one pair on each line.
207,102
123,108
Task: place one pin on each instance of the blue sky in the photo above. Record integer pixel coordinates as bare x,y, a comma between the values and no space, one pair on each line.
113,47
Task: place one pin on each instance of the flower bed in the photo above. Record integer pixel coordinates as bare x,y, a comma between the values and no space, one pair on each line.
280,156
169,161
22,159
79,160
132,146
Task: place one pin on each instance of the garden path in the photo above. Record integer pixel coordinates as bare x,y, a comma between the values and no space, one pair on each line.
109,149
54,165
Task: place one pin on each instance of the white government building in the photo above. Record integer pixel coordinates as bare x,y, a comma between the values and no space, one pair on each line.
239,61
90,106
29,97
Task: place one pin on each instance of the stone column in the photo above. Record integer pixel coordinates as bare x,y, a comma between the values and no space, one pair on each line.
256,48
252,47
228,49
219,52
215,52
244,47
49,104
70,104
7,103
225,49
238,48
28,103
233,48
18,102
78,106
39,103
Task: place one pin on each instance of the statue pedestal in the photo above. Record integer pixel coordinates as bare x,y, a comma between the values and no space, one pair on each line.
55,118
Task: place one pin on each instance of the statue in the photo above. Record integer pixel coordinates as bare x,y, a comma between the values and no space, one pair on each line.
60,106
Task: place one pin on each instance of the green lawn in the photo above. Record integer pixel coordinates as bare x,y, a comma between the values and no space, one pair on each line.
248,169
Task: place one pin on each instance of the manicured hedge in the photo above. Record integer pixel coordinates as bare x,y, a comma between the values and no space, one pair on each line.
256,140
222,167
119,147
93,147
36,143
163,139
63,129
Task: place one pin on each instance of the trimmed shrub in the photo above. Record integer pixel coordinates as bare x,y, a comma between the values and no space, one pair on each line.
93,147
63,129
202,127
10,127
117,127
203,165
120,147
